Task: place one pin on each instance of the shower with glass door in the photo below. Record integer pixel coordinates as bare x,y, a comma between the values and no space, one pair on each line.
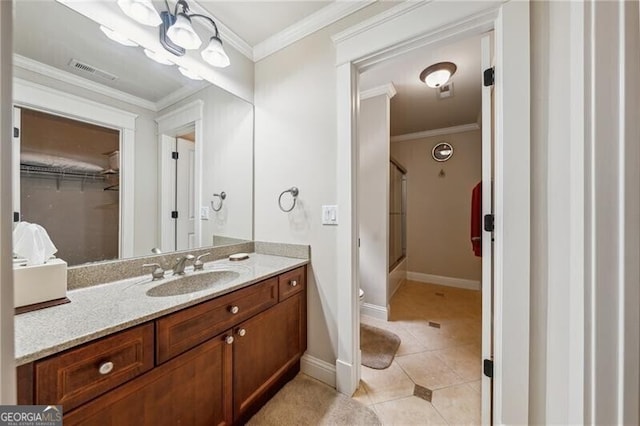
397,214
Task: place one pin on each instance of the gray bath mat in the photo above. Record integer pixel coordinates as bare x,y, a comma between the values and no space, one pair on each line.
378,346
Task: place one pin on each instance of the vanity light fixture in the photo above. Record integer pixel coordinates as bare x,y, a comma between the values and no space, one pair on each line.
189,74
438,74
177,34
117,37
141,11
161,59
183,34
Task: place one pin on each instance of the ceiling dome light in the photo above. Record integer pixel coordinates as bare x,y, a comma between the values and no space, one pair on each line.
438,74
117,37
214,53
161,59
183,34
189,74
141,11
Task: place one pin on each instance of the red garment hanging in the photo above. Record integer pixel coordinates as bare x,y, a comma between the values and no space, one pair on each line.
476,219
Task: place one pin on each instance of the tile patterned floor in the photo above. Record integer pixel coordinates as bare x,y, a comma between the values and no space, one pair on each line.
446,360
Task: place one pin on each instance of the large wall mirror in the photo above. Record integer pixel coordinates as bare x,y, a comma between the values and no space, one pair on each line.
116,154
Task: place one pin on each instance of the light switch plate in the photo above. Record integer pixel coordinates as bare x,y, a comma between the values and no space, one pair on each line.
204,213
329,215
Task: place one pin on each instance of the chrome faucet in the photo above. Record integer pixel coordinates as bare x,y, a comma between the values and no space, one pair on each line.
157,273
178,268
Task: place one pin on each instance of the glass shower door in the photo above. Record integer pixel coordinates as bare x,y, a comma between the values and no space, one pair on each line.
397,214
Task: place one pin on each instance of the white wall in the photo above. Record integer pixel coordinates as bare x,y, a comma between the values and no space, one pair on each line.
585,181
295,144
146,158
7,360
439,208
227,162
295,118
373,198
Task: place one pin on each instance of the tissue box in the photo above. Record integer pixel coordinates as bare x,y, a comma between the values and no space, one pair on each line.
39,283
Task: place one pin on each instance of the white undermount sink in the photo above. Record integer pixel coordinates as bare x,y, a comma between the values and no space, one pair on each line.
192,283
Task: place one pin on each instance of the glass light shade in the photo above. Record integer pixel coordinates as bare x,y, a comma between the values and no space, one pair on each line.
157,57
183,34
215,55
189,74
141,11
437,78
118,38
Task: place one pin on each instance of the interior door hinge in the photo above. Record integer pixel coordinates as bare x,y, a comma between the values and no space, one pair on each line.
174,214
174,155
16,216
488,368
16,132
489,222
489,76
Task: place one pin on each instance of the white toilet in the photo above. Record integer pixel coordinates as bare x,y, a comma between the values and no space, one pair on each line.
361,299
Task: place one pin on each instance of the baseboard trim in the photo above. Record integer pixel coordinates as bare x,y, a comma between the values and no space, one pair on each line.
446,281
374,311
318,369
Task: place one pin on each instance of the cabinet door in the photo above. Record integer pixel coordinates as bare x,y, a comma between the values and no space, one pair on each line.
264,349
191,389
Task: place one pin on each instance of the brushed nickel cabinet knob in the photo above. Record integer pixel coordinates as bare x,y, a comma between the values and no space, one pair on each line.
105,368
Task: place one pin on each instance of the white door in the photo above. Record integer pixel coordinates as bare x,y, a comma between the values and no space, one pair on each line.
185,203
487,244
15,164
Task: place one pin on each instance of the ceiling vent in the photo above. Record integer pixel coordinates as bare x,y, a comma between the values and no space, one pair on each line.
88,69
445,91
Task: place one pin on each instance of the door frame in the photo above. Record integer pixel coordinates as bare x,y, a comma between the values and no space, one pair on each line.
51,101
169,124
403,28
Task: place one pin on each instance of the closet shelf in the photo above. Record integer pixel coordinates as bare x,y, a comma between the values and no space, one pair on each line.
60,173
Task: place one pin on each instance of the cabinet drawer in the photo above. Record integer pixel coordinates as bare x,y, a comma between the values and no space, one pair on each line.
81,374
291,282
179,332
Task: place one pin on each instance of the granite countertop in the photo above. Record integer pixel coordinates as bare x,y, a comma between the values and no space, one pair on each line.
103,309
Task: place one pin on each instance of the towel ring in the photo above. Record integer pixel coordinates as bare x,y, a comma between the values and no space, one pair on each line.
294,193
222,196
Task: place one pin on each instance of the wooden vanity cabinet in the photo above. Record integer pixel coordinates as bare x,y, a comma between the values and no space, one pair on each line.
198,379
191,389
265,348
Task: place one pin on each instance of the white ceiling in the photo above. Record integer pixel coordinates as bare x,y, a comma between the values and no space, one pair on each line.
415,107
47,32
255,21
52,34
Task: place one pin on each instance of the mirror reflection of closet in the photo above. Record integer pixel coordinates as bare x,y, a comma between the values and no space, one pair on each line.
397,214
68,183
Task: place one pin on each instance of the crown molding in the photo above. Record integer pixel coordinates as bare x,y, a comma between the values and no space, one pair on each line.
312,23
70,78
386,89
226,33
177,96
436,132
378,19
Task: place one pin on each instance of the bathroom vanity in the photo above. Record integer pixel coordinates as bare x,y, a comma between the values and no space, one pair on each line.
214,358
